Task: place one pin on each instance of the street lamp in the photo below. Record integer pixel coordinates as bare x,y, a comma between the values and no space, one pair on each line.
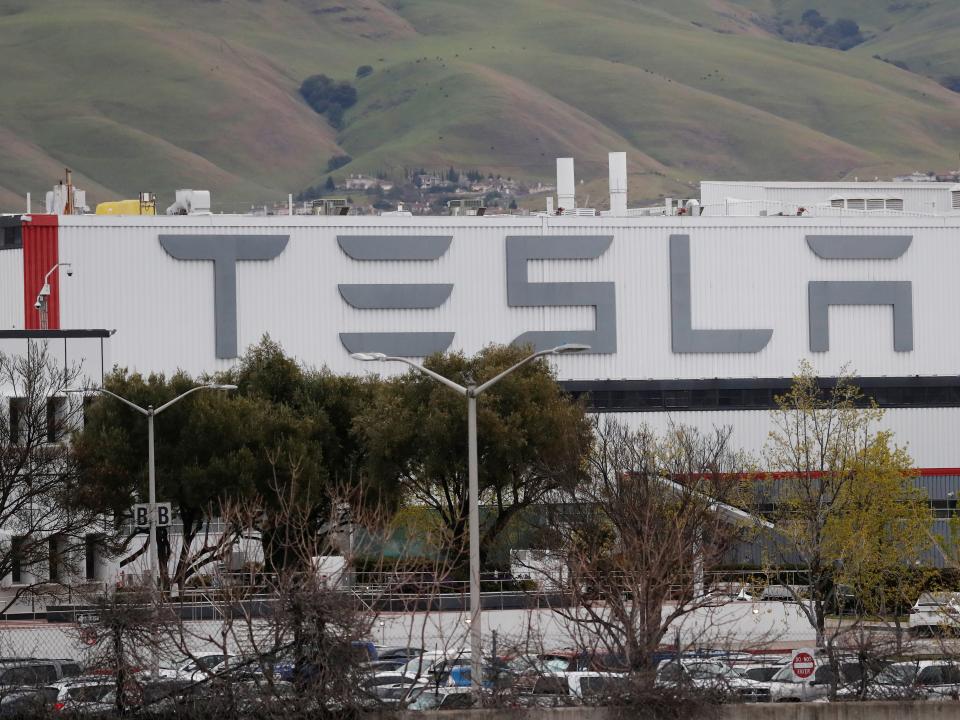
471,392
150,413
43,297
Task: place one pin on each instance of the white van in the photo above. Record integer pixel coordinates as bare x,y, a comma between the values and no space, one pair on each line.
935,610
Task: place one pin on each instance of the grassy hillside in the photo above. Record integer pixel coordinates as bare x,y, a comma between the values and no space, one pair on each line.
161,94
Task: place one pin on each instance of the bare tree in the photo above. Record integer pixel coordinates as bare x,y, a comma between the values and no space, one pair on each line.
46,520
654,513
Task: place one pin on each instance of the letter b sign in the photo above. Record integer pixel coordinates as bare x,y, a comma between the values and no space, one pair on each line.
141,515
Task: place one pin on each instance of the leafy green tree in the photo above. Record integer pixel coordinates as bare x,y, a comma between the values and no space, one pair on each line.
305,452
812,18
338,161
197,442
364,70
846,508
532,440
285,433
328,97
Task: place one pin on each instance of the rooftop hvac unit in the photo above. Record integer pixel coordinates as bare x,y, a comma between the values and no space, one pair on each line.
191,202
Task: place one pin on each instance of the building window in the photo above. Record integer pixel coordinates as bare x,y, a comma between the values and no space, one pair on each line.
856,204
18,419
11,236
895,204
943,509
90,547
751,393
16,559
875,204
56,414
955,199
53,559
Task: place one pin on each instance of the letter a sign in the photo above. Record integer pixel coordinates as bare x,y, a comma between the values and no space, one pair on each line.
141,515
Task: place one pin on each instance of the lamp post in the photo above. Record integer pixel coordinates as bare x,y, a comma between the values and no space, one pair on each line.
150,412
43,297
471,392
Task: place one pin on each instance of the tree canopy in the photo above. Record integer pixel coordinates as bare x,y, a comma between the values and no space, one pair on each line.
532,440
846,508
286,431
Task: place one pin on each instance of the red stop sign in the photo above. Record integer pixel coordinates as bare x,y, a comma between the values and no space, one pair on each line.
803,665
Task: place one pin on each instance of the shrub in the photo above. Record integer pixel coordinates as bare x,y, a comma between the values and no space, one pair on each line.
337,162
328,97
951,82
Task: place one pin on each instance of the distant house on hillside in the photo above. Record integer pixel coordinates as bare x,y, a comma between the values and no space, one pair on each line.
916,177
359,182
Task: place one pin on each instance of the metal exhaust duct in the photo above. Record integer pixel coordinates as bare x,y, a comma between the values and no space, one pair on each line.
565,184
618,183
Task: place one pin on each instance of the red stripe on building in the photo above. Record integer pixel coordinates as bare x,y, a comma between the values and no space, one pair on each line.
40,253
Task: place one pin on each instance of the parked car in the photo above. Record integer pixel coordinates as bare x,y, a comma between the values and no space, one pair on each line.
935,610
938,679
364,653
188,667
392,658
26,702
591,684
434,666
712,677
443,699
910,680
761,672
67,695
392,688
36,672
783,593
498,676
392,653
785,686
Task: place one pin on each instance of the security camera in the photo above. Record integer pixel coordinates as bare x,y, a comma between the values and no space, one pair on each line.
69,272
38,304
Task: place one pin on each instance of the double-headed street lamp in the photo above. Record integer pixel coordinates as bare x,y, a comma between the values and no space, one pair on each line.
471,392
151,412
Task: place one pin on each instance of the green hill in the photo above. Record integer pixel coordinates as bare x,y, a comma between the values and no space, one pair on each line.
160,94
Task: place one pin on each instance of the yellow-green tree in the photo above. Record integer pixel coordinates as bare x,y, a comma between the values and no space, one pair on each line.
879,529
846,510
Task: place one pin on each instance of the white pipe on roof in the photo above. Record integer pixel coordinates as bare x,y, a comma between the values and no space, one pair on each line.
565,184
618,183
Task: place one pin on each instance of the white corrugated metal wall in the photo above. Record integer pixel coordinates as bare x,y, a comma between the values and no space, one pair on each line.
917,197
11,280
746,273
929,434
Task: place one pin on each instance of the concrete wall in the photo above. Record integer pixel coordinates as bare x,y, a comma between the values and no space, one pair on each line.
800,711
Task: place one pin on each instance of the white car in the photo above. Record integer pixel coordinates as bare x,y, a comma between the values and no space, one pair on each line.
68,695
201,667
912,680
935,610
434,667
785,686
760,671
711,676
588,683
